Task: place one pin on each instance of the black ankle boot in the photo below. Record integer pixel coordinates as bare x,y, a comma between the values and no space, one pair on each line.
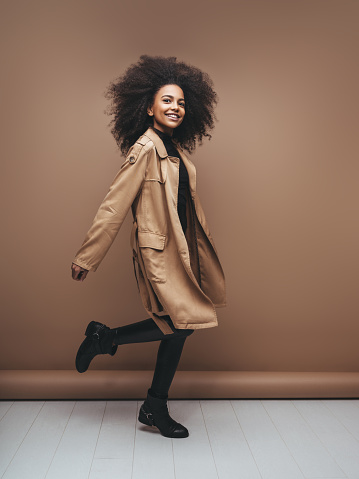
154,412
98,341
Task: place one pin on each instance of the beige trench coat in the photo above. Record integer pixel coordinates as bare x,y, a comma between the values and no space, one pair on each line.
178,274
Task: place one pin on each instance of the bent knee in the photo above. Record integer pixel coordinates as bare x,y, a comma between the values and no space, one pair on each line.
181,333
187,332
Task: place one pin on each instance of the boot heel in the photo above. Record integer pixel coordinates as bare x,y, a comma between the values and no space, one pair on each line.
145,417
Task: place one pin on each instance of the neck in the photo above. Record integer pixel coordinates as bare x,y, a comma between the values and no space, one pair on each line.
162,132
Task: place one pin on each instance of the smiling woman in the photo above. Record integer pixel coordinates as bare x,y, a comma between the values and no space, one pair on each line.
168,108
160,106
133,93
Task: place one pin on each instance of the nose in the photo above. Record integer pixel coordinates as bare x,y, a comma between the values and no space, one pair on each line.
174,105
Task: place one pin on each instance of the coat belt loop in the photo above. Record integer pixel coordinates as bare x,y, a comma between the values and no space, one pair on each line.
134,252
133,237
164,169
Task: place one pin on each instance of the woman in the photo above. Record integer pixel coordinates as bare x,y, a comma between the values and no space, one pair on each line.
160,106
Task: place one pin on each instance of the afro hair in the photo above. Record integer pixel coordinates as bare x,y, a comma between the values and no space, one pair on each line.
133,93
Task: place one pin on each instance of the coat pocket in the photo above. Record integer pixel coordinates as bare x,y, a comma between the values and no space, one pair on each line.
151,246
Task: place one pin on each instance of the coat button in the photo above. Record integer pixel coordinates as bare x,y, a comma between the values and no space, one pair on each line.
132,159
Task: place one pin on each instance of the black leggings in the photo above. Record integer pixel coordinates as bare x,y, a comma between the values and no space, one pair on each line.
169,351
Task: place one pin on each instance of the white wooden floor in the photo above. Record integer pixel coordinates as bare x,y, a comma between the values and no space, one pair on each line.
244,439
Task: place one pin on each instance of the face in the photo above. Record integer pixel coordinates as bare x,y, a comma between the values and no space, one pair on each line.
168,108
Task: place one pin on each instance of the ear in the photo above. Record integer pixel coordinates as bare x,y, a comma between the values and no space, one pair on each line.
149,111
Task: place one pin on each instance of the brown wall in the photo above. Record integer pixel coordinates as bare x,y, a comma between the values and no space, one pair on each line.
278,181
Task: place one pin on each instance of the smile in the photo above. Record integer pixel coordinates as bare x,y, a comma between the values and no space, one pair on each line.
173,116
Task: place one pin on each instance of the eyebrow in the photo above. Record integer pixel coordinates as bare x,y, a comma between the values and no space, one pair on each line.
170,96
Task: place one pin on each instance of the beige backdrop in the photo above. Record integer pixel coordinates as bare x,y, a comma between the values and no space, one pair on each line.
278,181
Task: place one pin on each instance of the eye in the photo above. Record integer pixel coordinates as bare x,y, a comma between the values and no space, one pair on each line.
166,100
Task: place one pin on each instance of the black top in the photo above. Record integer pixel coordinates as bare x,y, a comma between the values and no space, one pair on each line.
183,177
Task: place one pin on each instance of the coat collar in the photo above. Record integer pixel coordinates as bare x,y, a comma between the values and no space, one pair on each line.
160,147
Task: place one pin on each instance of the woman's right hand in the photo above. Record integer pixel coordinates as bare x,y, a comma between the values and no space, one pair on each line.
78,273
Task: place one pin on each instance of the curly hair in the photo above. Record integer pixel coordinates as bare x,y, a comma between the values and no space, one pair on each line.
133,93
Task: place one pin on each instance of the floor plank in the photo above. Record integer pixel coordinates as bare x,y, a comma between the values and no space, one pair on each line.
76,449
116,439
271,454
34,455
115,446
308,451
193,456
347,412
4,407
106,468
153,455
13,428
341,444
231,453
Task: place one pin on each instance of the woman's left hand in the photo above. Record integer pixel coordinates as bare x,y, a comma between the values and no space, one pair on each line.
78,273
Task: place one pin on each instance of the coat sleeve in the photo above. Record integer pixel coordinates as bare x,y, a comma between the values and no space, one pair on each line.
113,210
